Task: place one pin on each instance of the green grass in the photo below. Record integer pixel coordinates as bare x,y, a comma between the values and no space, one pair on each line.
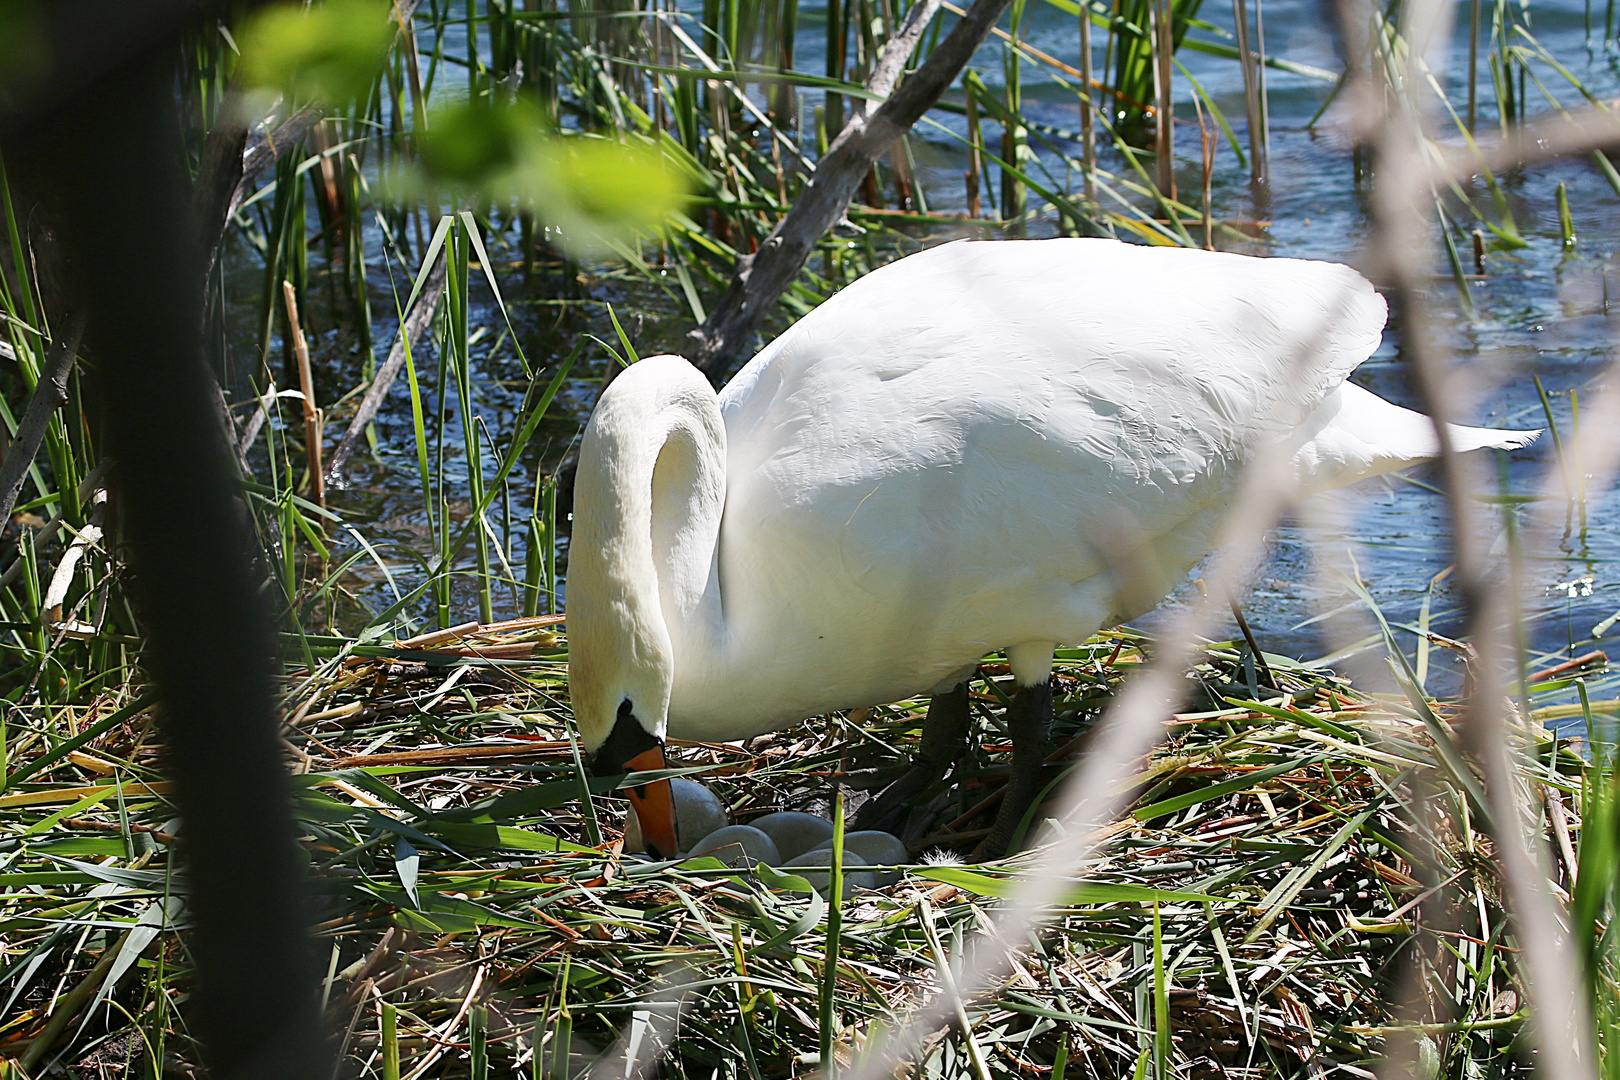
475,916
486,535
1256,905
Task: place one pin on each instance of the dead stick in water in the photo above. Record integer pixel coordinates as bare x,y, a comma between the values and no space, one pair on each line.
1254,646
306,383
1570,665
409,336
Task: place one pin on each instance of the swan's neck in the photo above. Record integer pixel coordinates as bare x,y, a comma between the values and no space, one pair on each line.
643,588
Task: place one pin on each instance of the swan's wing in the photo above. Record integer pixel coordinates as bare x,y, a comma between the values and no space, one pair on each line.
947,456
1146,368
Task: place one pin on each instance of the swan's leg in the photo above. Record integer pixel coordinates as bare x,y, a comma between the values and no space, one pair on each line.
944,739
1029,720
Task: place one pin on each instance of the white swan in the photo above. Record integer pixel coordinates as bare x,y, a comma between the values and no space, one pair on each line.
985,445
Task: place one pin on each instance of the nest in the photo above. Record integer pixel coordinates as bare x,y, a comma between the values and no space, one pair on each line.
1291,854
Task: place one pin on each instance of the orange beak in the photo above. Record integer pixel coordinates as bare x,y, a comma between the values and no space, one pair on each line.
655,804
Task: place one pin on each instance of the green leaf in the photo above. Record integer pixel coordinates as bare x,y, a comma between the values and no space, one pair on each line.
1226,787
329,51
615,185
594,191
814,912
1079,892
775,879
451,914
475,142
132,879
466,835
82,846
44,877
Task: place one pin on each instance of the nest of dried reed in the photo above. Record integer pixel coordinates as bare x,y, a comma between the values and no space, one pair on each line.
1290,851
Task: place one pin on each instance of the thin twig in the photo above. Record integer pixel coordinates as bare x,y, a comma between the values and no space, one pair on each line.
306,381
1402,249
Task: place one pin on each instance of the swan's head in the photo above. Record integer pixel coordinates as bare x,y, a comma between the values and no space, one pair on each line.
634,502
620,695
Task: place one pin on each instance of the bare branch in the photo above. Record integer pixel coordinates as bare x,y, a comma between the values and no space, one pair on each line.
410,334
1559,135
762,277
50,394
1401,247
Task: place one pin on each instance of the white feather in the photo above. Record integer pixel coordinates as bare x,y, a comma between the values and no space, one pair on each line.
986,445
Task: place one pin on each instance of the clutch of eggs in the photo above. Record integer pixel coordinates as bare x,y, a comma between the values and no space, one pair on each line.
788,840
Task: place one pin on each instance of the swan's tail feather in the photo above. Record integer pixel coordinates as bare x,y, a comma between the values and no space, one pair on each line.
1356,434
1478,438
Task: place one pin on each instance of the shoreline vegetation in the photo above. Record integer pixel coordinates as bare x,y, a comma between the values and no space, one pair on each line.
1281,860
1308,878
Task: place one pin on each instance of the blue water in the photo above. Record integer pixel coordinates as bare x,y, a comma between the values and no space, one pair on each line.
1540,311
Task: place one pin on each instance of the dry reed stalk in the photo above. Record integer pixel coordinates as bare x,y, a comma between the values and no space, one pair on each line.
454,755
74,794
1164,110
306,383
1597,656
975,167
474,629
1208,143
1259,166
1402,254
1088,137
84,540
1473,62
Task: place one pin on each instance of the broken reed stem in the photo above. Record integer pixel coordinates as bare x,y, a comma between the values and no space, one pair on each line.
1473,63
1164,107
1401,244
1207,145
975,163
306,384
1251,94
1088,139
1260,81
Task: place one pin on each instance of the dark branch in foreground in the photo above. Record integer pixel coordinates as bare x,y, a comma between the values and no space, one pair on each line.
104,154
727,335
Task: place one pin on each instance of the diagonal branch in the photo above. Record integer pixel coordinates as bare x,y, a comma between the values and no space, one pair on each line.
230,166
50,394
410,334
761,278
